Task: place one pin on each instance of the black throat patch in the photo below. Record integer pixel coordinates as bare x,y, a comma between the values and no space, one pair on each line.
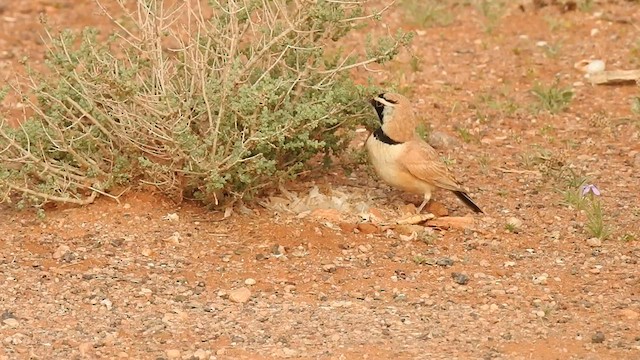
380,135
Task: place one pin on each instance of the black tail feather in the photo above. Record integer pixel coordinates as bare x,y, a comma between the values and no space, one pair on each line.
464,197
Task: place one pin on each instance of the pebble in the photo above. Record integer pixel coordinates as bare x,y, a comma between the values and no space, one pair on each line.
597,338
629,314
240,295
173,354
541,279
441,140
460,278
444,262
330,268
250,281
60,251
201,354
514,222
594,242
85,348
11,322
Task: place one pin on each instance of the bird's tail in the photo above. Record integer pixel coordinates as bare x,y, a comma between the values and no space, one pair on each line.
464,197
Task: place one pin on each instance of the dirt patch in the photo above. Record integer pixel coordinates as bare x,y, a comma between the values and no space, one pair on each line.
149,279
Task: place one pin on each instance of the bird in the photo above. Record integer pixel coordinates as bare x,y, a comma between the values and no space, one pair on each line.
402,159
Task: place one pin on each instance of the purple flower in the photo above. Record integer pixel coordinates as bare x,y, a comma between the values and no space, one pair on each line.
589,188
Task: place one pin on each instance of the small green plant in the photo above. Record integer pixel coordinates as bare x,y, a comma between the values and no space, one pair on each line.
552,98
492,11
510,227
253,94
484,162
572,193
448,160
585,5
595,214
553,50
465,134
428,13
424,130
635,105
415,64
628,237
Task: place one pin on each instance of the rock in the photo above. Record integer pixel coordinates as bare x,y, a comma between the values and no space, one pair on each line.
85,348
250,281
408,229
594,242
330,268
436,209
460,278
597,338
240,295
541,279
440,140
455,222
332,215
408,209
60,251
444,262
368,228
629,314
173,354
514,223
347,227
171,217
201,354
377,214
11,322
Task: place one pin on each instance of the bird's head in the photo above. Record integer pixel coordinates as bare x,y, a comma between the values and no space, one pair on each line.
388,104
396,115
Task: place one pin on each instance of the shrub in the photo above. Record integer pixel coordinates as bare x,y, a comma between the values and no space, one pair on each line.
197,106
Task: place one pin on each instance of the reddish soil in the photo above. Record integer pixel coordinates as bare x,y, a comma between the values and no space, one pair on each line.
130,280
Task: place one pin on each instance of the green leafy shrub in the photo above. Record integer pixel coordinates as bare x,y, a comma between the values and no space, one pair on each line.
198,107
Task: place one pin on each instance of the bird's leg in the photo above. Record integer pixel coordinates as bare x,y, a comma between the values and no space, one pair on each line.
427,197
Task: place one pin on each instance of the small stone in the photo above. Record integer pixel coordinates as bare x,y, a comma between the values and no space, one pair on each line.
594,242
597,338
444,262
173,354
11,322
171,217
460,278
347,227
367,228
330,268
455,222
250,281
60,251
85,348
514,223
240,295
332,215
440,140
436,208
540,279
200,354
629,314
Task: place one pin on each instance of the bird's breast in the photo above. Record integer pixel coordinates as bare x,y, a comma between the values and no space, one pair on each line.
385,159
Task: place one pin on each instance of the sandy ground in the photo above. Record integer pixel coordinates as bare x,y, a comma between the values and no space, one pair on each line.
323,278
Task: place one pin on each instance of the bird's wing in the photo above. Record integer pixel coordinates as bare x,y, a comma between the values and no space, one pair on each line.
423,162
